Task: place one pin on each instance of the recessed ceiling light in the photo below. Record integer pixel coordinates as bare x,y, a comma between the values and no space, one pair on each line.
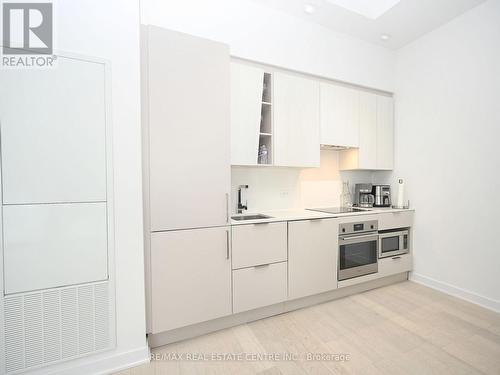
385,37
309,8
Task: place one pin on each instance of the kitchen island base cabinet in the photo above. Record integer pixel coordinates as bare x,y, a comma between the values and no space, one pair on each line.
190,277
312,257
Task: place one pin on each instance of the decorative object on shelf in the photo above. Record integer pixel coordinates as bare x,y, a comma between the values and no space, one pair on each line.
346,197
263,155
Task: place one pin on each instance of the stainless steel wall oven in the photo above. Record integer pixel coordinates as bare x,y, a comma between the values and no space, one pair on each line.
358,249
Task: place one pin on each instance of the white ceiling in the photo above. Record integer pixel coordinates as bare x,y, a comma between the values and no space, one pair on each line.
403,21
368,8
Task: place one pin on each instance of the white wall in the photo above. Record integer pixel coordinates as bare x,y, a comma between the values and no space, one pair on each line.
266,35
447,148
273,188
110,30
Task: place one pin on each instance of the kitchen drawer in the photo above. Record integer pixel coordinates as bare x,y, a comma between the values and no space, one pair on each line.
256,244
390,220
259,286
392,265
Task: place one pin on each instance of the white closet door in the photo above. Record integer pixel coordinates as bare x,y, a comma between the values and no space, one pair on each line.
52,245
339,115
189,130
246,102
296,125
53,133
385,132
368,131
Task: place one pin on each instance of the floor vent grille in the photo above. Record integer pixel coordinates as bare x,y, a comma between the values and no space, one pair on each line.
49,326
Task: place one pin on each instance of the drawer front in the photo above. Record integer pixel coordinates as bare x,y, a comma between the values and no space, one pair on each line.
260,286
256,244
390,220
394,265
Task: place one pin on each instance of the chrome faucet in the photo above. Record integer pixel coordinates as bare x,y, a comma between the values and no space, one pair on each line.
242,207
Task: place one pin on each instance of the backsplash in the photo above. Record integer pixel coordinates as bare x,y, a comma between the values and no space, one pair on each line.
275,188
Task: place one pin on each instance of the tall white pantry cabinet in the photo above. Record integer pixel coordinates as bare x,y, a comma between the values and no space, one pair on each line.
186,153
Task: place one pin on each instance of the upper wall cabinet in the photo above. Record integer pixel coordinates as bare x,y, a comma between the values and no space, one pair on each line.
367,152
186,110
385,132
339,115
376,135
291,115
251,115
296,121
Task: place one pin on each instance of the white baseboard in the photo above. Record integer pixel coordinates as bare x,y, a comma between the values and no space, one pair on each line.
467,295
109,364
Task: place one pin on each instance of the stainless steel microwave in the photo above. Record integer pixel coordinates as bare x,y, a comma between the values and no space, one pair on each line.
393,242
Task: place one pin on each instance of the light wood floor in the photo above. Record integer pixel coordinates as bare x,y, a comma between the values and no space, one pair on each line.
404,328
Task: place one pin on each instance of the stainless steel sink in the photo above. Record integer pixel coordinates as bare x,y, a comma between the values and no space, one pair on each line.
250,217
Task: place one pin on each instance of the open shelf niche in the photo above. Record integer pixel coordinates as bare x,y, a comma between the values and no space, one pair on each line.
266,121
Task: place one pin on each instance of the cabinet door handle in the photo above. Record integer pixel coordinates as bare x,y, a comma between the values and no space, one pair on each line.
227,208
227,244
396,258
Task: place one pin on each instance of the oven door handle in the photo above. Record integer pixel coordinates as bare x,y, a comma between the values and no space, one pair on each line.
374,236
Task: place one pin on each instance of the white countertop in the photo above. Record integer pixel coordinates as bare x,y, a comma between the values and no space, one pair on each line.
302,214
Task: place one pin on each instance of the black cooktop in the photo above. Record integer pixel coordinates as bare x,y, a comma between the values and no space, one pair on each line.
337,210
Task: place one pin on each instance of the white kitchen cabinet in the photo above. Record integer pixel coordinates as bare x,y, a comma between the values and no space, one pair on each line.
190,277
296,121
367,151
393,265
393,220
246,106
259,286
185,82
312,257
339,115
53,245
376,135
53,133
385,132
256,244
